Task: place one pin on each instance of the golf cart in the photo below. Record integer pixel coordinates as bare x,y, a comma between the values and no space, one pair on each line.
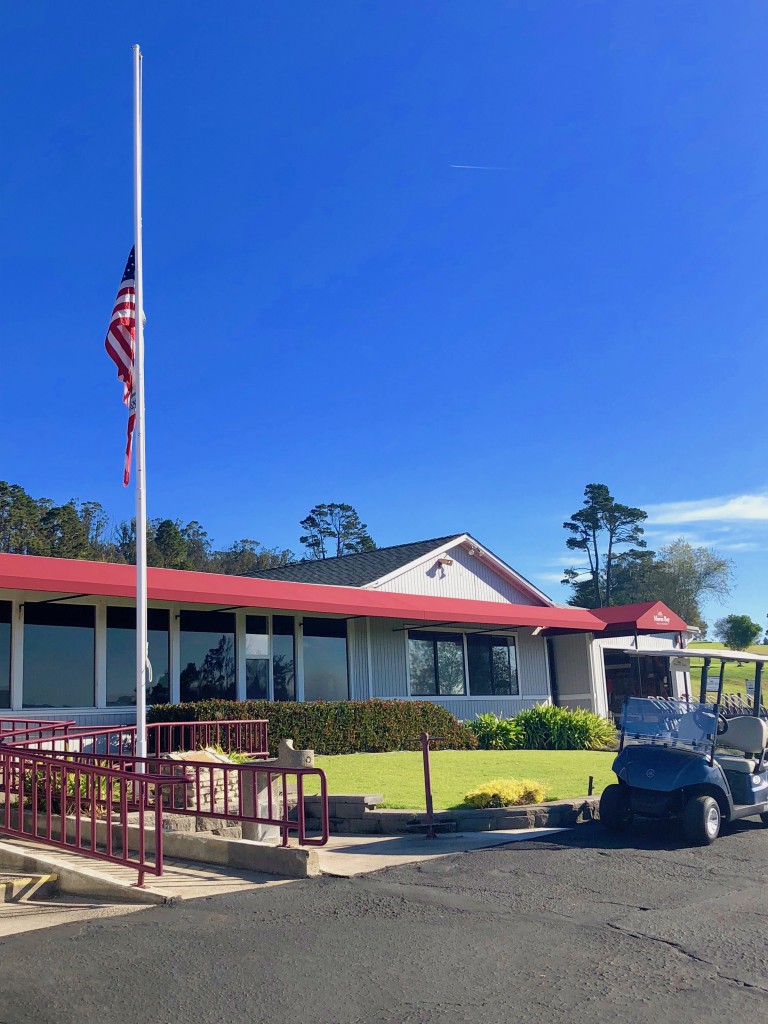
702,762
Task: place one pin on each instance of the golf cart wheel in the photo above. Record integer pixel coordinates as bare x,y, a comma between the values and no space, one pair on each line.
615,812
764,819
702,819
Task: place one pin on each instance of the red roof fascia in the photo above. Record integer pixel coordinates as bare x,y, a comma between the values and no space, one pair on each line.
649,616
106,579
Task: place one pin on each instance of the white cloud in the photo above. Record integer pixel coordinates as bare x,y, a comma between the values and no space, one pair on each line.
741,508
549,577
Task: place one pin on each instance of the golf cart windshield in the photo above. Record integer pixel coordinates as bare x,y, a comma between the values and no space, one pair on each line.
669,721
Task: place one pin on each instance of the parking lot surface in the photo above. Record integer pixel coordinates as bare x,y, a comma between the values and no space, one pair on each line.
578,927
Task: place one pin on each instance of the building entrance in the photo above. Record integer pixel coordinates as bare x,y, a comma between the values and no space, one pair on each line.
634,677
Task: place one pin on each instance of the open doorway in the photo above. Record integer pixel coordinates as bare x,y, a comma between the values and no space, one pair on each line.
634,677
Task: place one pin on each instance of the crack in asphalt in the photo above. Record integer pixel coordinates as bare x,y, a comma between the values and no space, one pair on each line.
691,956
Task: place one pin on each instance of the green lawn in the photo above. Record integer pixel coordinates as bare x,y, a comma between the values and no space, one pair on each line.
399,776
735,675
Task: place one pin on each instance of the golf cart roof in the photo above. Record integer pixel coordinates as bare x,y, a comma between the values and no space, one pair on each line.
700,652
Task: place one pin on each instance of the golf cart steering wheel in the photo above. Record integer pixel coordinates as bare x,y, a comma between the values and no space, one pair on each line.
700,718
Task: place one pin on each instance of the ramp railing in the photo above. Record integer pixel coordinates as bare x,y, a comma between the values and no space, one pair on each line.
85,790
264,795
248,736
88,808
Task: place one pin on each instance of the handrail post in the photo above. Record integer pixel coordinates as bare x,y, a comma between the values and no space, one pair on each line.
431,834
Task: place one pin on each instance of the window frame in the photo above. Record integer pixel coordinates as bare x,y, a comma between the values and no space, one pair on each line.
467,695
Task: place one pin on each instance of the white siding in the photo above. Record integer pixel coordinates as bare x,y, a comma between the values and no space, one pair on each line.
389,653
532,667
465,708
469,577
572,670
357,659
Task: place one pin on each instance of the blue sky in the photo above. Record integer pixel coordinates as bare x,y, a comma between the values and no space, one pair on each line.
336,312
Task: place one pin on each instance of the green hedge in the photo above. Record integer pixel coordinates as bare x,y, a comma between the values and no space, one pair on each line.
334,727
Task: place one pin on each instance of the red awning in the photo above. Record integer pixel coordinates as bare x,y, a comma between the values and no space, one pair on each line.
649,617
104,579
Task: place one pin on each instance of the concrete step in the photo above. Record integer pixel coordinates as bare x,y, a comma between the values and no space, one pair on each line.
20,888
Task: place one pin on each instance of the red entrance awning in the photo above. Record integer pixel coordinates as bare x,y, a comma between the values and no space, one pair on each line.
59,576
648,617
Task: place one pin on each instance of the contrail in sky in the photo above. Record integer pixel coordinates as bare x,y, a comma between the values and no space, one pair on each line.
476,167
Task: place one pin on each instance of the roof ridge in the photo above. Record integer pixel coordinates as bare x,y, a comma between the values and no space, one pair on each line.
355,554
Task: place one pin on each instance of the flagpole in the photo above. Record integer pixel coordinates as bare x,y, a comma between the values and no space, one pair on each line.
141,497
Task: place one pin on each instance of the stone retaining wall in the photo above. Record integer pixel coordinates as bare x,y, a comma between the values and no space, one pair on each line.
356,814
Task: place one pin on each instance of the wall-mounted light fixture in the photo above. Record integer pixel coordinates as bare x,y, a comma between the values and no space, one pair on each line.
537,631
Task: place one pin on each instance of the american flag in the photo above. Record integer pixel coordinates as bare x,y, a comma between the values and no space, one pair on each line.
120,344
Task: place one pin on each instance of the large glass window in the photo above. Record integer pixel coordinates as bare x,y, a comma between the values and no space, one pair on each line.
283,657
207,656
5,654
325,659
436,664
256,657
121,657
58,656
492,664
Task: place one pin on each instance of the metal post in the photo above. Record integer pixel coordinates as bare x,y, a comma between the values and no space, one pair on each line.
757,698
431,834
141,497
703,688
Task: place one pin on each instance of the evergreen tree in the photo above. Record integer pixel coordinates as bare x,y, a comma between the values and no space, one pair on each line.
333,530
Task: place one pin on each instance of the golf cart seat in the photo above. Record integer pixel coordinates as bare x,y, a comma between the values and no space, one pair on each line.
749,735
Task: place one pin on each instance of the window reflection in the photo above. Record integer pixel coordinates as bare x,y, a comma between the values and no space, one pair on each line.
436,664
58,656
283,658
256,657
121,656
207,656
5,654
492,665
325,659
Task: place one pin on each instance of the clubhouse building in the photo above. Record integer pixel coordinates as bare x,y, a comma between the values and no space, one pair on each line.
443,620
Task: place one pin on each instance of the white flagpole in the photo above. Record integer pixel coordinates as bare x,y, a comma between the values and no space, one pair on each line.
138,379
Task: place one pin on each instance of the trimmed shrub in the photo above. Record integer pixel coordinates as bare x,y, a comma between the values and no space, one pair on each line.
547,727
494,733
506,793
334,727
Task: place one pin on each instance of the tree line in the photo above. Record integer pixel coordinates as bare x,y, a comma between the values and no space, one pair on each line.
83,529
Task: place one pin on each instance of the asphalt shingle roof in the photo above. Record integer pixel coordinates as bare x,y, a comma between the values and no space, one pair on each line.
353,570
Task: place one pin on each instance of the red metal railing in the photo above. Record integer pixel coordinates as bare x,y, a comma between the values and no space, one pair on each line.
255,793
83,808
76,789
20,724
246,737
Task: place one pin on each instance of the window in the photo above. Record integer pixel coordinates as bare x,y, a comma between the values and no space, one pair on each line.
492,663
283,658
207,655
436,664
256,657
121,657
59,656
325,659
5,654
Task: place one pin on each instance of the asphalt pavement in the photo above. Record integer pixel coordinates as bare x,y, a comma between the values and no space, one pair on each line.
576,927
